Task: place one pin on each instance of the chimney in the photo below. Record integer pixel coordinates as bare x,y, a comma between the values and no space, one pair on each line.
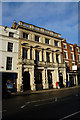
14,25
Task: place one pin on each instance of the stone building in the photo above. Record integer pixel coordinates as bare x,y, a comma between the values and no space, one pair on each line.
40,60
71,57
8,57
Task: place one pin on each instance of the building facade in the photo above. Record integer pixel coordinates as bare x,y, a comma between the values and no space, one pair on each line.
40,60
9,56
71,57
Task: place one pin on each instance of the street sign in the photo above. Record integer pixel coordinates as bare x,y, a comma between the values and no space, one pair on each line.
74,67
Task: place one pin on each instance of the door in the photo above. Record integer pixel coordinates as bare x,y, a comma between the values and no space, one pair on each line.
26,81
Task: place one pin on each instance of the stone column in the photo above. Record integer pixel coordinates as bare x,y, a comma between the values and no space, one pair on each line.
45,55
32,80
19,79
33,53
59,58
53,82
76,81
43,79
29,53
54,57
51,57
46,82
40,55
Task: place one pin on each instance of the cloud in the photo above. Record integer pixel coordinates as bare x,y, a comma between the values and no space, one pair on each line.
60,17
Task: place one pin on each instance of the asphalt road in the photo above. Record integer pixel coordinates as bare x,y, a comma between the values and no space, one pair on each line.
59,105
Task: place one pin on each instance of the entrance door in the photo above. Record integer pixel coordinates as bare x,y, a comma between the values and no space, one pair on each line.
26,81
50,80
61,79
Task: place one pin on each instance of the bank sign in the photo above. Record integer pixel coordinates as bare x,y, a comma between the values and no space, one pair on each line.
74,67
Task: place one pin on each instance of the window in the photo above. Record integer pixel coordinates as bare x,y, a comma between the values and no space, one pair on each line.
56,43
71,47
66,63
73,64
25,53
10,47
37,55
11,34
25,35
37,38
65,55
72,56
9,63
57,58
48,57
47,41
65,46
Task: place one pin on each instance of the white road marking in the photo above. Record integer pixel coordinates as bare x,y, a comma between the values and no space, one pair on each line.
23,106
69,115
44,104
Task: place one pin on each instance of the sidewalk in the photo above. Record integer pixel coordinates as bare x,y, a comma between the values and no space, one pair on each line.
29,92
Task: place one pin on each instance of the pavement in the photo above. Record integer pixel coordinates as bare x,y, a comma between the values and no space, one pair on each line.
29,92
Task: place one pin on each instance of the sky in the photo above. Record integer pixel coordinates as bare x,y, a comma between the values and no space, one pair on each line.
60,17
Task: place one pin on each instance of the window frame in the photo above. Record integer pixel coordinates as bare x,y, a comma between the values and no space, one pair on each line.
37,40
66,54
55,43
46,40
8,65
10,48
64,44
26,35
71,47
71,55
11,34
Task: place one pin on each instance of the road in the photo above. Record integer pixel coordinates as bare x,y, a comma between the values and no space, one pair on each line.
60,105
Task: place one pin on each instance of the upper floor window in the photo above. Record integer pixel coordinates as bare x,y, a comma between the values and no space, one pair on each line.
71,47
56,43
48,56
77,49
73,64
46,40
25,53
57,58
65,46
72,56
37,38
66,63
37,55
9,63
25,35
11,34
65,55
10,47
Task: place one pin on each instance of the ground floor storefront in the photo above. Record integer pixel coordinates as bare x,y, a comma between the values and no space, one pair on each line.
9,82
73,79
39,78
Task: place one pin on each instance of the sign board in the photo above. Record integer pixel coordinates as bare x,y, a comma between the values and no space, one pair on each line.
74,67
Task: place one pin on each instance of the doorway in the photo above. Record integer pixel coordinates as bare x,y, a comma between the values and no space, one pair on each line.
50,79
61,80
26,81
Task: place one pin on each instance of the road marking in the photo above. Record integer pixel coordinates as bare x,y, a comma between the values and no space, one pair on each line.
23,106
43,104
69,115
39,100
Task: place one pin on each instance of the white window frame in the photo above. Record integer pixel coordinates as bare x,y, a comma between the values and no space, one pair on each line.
65,45
79,57
66,55
70,47
73,55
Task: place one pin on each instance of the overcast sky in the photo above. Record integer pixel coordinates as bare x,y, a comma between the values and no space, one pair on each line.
61,17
